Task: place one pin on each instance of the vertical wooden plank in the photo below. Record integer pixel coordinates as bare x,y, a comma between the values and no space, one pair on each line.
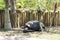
35,15
27,16
44,18
47,17
31,15
0,19
24,18
58,17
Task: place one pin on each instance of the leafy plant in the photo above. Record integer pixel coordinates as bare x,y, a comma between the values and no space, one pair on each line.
2,4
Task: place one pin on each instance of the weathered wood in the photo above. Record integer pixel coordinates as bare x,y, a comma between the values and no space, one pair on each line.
7,24
23,17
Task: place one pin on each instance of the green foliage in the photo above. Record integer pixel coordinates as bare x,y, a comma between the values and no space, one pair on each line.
47,4
26,3
2,4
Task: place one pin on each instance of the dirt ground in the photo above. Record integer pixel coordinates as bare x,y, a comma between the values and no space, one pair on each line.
53,34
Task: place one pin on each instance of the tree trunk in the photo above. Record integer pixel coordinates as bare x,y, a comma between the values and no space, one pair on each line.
13,13
7,24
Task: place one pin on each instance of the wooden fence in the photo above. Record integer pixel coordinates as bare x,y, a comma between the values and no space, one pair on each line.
24,16
46,17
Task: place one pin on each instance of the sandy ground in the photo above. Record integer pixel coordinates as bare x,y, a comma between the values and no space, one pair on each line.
34,36
19,35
